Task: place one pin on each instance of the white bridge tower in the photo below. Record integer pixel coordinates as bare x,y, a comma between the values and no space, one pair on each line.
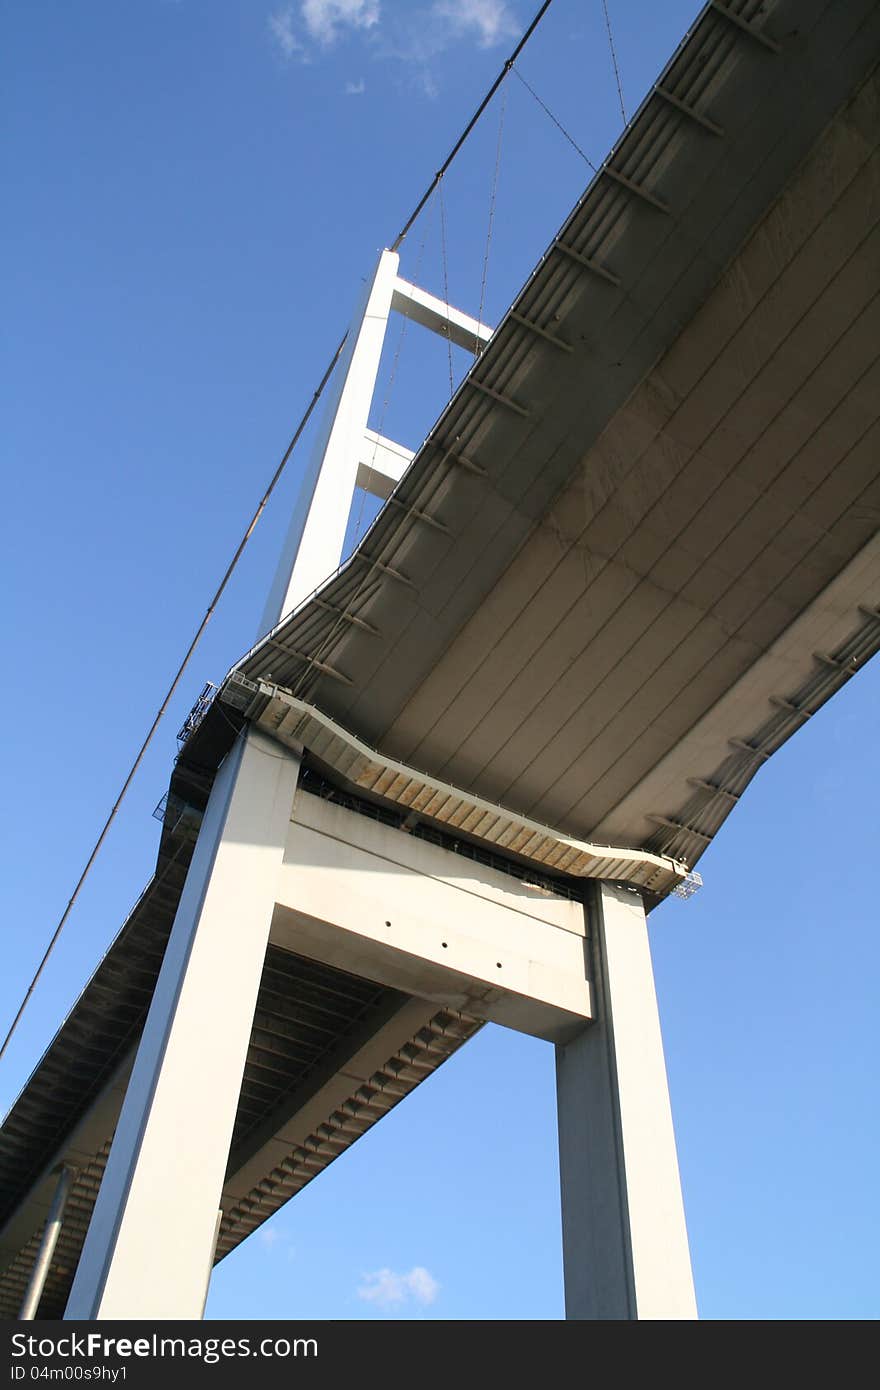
577,975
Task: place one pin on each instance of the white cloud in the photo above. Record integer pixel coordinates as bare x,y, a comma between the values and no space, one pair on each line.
387,1289
419,33
324,19
423,1285
425,33
490,20
281,29
277,1241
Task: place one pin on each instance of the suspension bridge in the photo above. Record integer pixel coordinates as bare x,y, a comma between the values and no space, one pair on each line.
636,552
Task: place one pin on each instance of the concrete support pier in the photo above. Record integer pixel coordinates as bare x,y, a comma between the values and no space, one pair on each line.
149,1245
48,1243
625,1246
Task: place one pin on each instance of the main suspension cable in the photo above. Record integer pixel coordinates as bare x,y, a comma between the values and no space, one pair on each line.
249,531
261,507
471,123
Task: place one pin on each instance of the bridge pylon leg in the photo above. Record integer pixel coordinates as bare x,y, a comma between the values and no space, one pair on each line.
625,1245
149,1246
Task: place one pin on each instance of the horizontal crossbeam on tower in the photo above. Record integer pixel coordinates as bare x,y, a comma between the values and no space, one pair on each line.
381,464
424,308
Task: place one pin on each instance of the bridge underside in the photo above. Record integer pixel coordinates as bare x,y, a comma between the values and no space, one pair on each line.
659,540
330,1054
651,553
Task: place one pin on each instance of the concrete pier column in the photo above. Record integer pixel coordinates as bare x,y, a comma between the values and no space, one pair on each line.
625,1246
152,1232
51,1232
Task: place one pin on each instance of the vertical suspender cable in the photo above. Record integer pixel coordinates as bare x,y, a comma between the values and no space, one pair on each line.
614,59
492,200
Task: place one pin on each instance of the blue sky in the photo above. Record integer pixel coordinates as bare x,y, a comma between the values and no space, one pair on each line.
199,187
